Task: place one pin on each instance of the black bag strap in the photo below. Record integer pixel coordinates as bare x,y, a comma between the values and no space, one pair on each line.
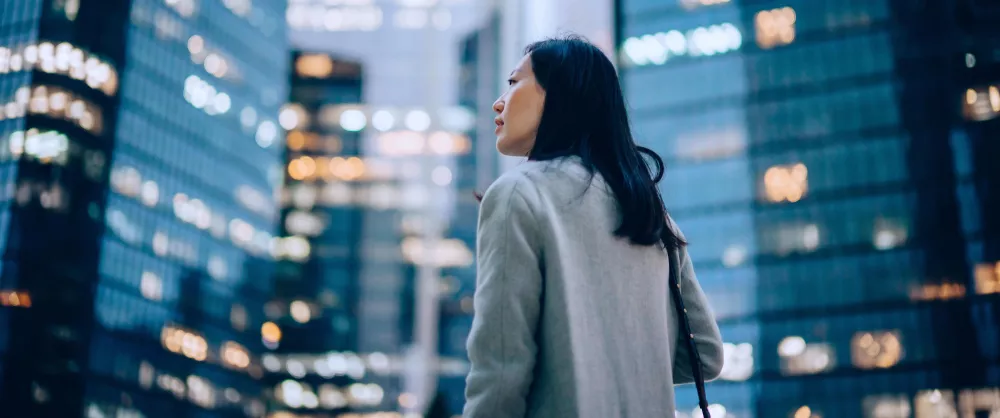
696,368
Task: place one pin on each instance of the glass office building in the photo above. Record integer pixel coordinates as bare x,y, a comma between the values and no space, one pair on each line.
315,296
141,155
827,163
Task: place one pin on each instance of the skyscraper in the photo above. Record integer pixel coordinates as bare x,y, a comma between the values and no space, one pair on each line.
315,299
821,167
142,152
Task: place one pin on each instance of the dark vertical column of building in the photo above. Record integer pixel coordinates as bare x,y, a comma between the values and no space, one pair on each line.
56,228
979,68
978,63
926,92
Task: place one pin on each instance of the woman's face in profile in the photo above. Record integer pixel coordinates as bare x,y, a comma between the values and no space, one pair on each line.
519,111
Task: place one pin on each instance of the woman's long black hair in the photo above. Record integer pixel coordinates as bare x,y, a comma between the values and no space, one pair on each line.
584,115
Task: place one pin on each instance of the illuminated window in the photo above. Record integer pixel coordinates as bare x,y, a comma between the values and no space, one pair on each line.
235,355
658,48
881,349
888,235
987,277
786,183
887,406
981,104
300,311
938,291
775,27
314,65
15,299
738,362
151,286
805,412
270,335
799,357
293,116
181,341
935,404
55,102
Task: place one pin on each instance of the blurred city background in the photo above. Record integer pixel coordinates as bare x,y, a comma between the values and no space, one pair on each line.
264,208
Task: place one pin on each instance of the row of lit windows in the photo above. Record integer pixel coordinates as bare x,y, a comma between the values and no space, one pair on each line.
362,17
64,58
772,28
353,365
200,390
380,196
355,118
128,181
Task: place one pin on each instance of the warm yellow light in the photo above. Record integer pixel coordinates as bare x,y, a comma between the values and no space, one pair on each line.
803,412
270,332
995,98
235,355
971,96
300,311
301,168
296,140
314,65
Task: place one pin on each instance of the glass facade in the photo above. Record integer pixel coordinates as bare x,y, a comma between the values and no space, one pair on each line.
822,160
142,140
315,299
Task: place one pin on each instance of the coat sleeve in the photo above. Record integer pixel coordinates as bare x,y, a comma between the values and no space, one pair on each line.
708,339
501,344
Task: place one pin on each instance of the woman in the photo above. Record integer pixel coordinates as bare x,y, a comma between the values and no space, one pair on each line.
573,316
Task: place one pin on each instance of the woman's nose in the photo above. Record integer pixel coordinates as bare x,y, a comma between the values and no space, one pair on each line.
498,106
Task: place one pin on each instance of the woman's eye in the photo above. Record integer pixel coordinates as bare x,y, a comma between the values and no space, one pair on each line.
510,82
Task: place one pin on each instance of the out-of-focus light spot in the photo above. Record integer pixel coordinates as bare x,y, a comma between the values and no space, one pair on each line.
267,133
271,362
803,412
738,362
658,48
235,355
418,120
441,176
196,44
382,120
775,27
270,333
248,117
970,60
314,65
151,286
734,255
292,116
786,183
300,311
791,346
353,120
881,349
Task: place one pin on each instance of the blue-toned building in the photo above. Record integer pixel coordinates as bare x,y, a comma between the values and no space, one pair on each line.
828,161
142,154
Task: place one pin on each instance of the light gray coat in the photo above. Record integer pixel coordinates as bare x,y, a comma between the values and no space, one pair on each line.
571,321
